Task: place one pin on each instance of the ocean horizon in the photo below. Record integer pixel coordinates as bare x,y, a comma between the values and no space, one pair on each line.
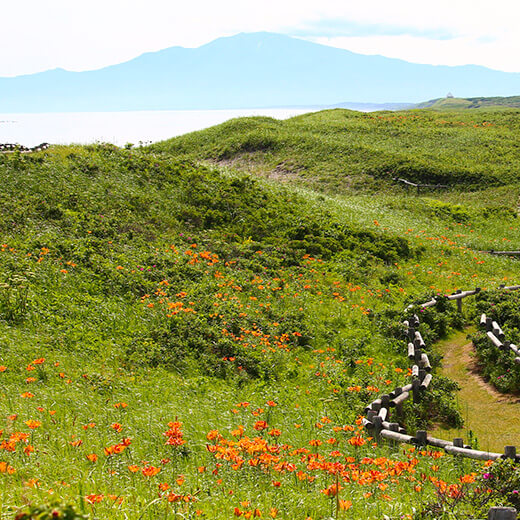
120,128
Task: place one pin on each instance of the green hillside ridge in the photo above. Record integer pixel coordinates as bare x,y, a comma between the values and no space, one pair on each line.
453,103
185,341
346,150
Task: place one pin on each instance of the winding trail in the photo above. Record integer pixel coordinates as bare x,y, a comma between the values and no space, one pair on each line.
492,416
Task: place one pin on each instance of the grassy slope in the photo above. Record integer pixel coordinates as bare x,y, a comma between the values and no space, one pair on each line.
485,103
343,149
184,292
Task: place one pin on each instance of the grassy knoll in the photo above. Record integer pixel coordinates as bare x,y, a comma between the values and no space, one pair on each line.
485,103
346,150
179,341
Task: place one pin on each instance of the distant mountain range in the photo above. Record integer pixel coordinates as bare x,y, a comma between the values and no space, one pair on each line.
254,70
371,107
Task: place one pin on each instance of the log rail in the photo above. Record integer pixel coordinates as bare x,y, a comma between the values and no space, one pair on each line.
378,412
418,186
12,147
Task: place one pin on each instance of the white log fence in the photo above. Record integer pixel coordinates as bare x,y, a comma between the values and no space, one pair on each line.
11,147
497,337
458,296
378,413
505,253
418,186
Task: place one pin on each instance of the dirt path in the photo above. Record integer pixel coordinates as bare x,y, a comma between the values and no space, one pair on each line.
493,417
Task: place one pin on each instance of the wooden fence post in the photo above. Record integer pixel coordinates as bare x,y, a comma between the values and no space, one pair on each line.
421,437
394,427
510,452
502,513
378,426
416,387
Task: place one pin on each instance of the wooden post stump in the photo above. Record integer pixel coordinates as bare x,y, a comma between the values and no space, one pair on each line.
502,513
421,437
378,426
416,387
396,392
394,427
489,321
458,442
510,452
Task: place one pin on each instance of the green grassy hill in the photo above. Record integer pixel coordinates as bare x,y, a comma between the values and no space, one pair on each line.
346,150
182,341
473,103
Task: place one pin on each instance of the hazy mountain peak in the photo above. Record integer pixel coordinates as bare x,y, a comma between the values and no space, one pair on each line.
260,69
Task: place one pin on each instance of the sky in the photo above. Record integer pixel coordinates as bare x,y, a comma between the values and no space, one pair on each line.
74,35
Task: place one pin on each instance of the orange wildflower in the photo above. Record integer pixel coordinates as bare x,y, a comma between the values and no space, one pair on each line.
345,504
150,471
357,441
467,479
260,425
332,490
28,449
33,424
174,434
116,426
94,499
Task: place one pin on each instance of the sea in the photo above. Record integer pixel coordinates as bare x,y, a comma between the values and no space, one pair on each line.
120,128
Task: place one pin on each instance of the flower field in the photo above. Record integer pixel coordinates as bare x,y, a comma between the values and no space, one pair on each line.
179,342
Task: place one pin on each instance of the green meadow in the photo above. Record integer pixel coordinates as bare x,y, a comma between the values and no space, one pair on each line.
193,329
345,150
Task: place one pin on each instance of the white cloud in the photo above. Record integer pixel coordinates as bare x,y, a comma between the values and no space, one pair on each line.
38,35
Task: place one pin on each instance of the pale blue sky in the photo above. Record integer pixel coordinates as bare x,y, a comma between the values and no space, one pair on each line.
332,28
74,35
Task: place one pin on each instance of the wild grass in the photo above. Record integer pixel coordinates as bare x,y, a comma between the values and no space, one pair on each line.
350,151
483,103
140,289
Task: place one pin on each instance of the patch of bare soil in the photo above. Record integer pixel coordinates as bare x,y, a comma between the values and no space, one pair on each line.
281,172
